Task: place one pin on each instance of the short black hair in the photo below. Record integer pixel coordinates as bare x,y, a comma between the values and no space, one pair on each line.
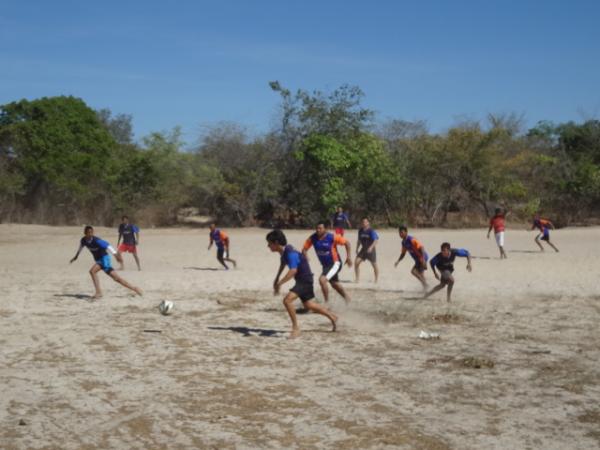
402,228
445,245
498,210
88,227
365,218
276,236
124,217
325,223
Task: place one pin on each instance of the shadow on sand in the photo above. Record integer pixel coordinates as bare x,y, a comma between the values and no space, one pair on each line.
524,251
85,297
250,331
201,268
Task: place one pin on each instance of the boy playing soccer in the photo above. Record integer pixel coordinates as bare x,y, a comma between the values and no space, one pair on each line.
418,253
131,239
300,271
444,262
325,245
497,224
544,225
100,249
365,248
221,240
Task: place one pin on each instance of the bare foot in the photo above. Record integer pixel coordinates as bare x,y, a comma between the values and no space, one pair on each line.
334,323
97,295
234,264
138,291
294,333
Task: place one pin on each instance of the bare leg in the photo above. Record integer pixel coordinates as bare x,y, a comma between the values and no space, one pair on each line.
537,241
502,253
288,302
94,274
340,290
552,245
324,287
223,263
356,269
137,261
419,276
121,263
449,291
435,289
320,309
375,270
232,261
122,282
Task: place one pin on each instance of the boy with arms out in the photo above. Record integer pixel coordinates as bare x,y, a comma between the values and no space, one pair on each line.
325,245
299,269
100,249
221,241
131,239
444,262
418,253
497,223
365,248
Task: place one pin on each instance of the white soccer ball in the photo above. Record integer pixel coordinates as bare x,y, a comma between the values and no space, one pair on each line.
166,307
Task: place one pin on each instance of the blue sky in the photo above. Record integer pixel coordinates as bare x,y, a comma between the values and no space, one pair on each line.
195,63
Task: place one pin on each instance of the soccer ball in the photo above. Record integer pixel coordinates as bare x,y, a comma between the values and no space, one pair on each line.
166,307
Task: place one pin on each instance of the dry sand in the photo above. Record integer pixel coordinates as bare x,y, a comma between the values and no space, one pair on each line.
516,367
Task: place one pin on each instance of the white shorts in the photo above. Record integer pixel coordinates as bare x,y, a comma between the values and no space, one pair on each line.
500,239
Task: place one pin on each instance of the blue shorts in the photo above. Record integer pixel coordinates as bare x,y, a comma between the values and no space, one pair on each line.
545,235
104,262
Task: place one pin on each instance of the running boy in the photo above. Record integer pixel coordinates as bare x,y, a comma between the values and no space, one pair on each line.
325,245
418,253
299,269
100,249
221,240
444,262
365,248
340,220
497,223
131,239
544,225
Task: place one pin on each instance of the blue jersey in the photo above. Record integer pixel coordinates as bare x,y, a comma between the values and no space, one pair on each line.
97,246
296,260
415,248
340,220
128,231
367,237
218,238
441,263
325,248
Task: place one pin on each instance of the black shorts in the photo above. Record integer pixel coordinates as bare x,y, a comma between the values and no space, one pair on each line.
222,253
332,270
304,290
366,256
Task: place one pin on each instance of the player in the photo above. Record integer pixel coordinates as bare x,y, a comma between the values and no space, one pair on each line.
100,249
418,253
299,269
130,234
339,221
544,225
365,248
497,223
221,240
325,245
444,262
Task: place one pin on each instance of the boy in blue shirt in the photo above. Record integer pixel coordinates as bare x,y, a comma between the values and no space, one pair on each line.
299,269
100,250
444,262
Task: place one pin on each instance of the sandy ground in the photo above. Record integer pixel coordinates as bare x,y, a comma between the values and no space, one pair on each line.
517,365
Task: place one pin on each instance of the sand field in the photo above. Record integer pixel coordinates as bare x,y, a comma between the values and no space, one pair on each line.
517,365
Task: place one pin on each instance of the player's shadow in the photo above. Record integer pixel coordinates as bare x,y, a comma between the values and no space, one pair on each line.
85,297
250,331
524,251
201,268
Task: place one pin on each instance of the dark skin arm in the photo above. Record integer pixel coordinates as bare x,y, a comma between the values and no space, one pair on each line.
288,276
276,282
76,254
402,255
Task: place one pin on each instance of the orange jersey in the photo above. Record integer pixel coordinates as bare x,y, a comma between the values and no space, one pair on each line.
326,247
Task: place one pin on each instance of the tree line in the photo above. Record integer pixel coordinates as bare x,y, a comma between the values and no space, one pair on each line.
62,162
